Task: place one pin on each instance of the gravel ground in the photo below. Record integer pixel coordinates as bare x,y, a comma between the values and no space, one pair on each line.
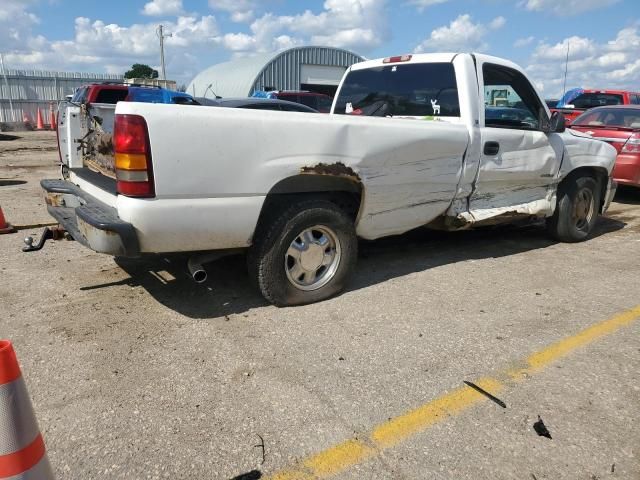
137,372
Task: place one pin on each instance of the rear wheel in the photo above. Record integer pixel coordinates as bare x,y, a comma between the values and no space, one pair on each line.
304,254
577,210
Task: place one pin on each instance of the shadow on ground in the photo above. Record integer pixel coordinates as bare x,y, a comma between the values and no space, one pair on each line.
628,195
6,138
10,183
229,291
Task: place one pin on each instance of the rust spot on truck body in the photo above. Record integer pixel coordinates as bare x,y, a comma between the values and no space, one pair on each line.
337,169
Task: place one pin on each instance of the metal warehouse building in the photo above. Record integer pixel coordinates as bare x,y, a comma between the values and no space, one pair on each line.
24,92
318,69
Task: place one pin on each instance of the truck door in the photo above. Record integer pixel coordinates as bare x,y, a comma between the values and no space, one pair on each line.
518,161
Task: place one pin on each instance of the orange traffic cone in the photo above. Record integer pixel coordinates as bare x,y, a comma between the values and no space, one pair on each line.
40,122
5,227
22,451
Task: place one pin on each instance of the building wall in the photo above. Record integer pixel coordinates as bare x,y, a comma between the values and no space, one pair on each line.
30,90
283,72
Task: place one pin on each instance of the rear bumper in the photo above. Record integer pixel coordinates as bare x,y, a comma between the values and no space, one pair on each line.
89,221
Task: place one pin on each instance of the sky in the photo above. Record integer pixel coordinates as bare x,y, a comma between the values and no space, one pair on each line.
603,36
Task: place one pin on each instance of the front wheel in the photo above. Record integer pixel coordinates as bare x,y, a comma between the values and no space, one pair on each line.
305,254
577,210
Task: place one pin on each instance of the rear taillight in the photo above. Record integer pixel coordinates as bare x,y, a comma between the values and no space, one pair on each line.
134,172
632,145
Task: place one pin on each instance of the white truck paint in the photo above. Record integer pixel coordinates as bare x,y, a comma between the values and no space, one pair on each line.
214,168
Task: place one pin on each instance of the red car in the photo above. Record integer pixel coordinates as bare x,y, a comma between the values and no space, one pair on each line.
619,126
587,99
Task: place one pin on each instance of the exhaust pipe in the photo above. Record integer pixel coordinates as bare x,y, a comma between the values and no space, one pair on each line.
194,264
197,271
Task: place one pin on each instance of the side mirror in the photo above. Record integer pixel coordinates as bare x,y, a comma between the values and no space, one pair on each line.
558,123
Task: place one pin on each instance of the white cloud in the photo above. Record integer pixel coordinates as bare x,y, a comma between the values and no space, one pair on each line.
97,46
523,42
613,64
566,7
423,4
241,11
15,23
159,8
352,24
461,35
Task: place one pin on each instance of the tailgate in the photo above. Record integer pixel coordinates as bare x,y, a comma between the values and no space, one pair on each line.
85,134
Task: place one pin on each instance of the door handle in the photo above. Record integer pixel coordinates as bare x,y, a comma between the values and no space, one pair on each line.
491,148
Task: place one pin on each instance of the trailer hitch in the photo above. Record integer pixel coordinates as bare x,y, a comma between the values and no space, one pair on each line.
56,233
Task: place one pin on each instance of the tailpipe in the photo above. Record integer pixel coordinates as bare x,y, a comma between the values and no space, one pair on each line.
197,271
194,264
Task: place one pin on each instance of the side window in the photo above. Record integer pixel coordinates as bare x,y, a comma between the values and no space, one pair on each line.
509,99
635,99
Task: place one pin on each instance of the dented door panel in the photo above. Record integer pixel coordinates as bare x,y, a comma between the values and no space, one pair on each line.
523,171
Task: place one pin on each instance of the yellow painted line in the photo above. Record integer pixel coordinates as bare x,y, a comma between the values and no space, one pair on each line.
400,428
544,357
338,458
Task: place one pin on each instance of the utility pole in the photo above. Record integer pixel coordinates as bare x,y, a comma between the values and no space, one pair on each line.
162,36
566,69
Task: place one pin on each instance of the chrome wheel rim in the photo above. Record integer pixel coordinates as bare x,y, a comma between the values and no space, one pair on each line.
313,258
584,209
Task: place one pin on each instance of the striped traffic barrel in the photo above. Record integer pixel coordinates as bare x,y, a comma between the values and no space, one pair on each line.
22,451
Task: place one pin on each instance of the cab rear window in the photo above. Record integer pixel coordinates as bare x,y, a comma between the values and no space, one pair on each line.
591,100
419,89
111,96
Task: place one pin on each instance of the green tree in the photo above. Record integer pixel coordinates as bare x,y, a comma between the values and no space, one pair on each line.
139,70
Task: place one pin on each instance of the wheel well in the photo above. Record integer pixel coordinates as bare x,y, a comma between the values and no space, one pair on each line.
344,192
600,174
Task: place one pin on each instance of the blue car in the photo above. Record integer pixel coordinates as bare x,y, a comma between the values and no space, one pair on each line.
159,95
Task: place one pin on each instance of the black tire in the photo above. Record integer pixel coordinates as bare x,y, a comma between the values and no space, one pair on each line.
266,258
577,210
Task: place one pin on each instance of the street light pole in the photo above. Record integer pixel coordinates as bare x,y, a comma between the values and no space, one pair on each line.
162,36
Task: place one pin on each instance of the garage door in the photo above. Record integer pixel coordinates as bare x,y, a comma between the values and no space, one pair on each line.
321,74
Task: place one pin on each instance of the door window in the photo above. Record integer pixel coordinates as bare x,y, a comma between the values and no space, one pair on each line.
509,99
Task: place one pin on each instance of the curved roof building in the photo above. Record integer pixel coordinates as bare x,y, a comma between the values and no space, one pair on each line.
317,69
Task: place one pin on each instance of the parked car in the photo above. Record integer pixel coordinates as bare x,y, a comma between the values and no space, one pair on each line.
551,102
256,104
509,115
317,101
296,191
581,100
620,127
112,93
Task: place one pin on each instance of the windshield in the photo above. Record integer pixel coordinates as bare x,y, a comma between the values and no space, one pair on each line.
419,89
611,117
591,100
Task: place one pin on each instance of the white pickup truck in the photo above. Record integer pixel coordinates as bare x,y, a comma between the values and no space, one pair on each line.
449,141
